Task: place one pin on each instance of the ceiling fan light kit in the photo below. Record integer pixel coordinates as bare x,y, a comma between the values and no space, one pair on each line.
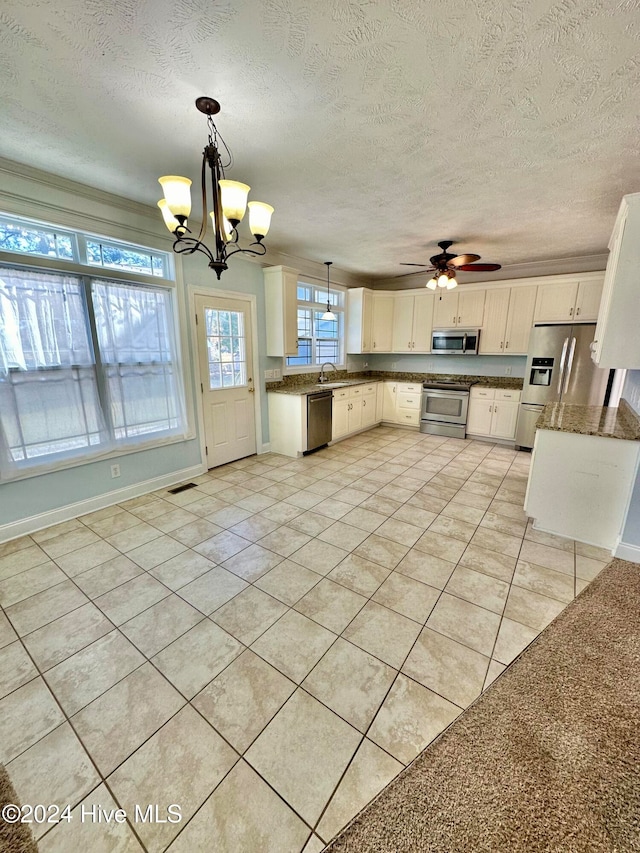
228,200
445,265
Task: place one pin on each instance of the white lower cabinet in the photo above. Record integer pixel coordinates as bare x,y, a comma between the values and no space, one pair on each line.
355,409
402,403
493,412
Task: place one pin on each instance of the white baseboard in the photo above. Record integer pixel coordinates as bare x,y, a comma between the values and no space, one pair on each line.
65,513
628,552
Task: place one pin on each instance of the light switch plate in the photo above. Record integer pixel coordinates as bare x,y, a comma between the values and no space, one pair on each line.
277,373
268,374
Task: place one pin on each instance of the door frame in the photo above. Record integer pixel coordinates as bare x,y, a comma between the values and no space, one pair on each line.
194,291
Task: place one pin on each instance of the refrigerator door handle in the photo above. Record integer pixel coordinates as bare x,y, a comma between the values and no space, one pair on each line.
561,368
569,365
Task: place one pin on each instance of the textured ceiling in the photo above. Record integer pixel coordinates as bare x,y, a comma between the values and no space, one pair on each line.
375,127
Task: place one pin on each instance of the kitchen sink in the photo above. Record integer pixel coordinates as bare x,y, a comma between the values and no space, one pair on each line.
332,384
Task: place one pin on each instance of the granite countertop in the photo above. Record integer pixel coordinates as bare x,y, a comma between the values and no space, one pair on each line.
603,421
303,384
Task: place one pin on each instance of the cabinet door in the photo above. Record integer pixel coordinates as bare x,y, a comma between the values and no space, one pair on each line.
479,416
340,418
422,322
379,401
445,310
382,323
403,323
503,422
281,284
368,410
354,414
496,310
588,301
470,309
555,302
520,320
367,319
390,391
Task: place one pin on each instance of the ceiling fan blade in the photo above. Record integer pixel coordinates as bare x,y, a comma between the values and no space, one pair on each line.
479,267
459,260
415,272
414,265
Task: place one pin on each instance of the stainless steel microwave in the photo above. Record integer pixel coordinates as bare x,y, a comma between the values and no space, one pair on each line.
455,341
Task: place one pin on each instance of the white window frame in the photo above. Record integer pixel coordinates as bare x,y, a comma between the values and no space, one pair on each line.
321,305
44,263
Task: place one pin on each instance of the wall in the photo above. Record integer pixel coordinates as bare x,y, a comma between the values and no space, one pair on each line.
476,365
27,192
631,533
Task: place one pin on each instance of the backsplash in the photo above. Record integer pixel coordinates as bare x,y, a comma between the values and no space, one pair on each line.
631,389
452,365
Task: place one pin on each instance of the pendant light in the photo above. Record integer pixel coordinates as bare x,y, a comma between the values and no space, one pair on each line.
228,202
328,314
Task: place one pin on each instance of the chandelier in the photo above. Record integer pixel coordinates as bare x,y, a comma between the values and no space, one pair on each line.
229,203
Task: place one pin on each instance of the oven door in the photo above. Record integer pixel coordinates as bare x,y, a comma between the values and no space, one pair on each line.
444,406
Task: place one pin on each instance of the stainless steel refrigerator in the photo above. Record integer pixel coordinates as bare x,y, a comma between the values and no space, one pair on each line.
559,369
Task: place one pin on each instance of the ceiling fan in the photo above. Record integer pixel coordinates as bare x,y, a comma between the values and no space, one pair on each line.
445,265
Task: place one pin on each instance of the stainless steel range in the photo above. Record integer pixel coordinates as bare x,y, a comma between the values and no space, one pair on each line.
444,408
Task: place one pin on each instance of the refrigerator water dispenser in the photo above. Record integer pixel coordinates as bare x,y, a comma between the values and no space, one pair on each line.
541,371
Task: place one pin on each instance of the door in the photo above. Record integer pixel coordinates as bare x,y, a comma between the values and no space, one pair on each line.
226,376
445,310
520,320
354,414
503,422
470,309
368,410
556,302
382,323
422,322
390,392
588,301
583,384
340,417
403,324
496,308
479,417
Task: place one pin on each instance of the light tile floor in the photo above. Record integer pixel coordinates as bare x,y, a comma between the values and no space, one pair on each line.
268,650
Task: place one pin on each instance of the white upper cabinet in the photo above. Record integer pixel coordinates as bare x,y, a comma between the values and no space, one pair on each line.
617,342
359,319
569,301
281,310
496,311
412,322
454,308
382,322
508,318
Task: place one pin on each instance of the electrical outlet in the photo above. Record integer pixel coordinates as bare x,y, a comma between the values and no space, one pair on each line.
365,364
394,364
115,470
507,371
277,373
268,374
429,365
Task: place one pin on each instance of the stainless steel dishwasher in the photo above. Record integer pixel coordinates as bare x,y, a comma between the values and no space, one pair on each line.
319,413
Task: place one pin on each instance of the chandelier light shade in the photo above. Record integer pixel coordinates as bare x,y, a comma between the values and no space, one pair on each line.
328,314
228,200
432,283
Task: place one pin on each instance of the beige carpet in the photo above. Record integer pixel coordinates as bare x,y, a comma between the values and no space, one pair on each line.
548,759
14,837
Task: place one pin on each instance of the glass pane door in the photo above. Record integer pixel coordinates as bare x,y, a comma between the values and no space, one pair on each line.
226,348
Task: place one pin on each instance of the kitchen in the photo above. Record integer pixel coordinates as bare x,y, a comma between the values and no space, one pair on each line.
550,321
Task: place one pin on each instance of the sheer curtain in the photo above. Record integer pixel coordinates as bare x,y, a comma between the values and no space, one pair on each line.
49,402
135,330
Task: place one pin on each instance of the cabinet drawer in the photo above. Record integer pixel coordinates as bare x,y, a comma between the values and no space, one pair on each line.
357,391
340,393
512,395
483,393
408,401
409,388
409,416
369,389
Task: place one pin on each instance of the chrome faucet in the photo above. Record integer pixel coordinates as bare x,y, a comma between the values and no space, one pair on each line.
322,378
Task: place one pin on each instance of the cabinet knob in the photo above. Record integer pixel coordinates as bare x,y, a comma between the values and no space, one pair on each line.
501,344
364,403
577,312
459,318
571,312
506,346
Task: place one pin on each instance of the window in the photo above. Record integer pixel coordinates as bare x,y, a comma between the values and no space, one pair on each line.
25,237
318,340
226,348
87,365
